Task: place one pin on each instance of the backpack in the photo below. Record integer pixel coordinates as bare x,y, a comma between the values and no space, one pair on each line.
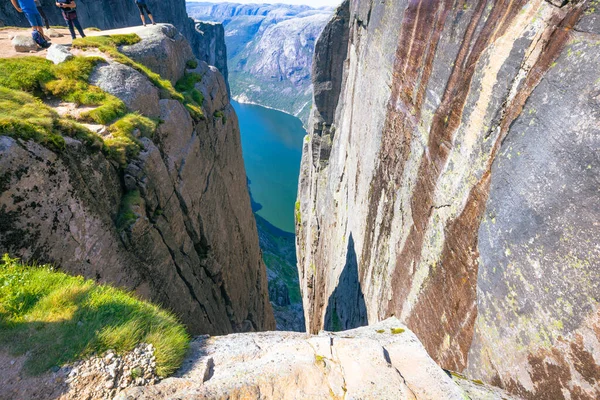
39,39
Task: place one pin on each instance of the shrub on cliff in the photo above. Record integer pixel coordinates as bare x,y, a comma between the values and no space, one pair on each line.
55,319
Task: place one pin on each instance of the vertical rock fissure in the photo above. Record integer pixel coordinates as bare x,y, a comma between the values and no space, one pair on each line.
189,286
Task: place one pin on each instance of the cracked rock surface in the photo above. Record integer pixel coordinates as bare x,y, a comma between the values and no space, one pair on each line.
365,363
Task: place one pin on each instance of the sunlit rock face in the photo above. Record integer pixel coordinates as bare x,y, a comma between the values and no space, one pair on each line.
174,224
385,361
450,178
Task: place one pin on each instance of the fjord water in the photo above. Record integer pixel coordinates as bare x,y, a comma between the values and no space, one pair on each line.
272,149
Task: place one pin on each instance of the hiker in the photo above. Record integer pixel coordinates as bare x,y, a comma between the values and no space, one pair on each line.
38,6
28,8
69,12
143,6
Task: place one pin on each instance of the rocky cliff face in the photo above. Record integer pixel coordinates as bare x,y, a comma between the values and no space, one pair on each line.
205,41
174,224
270,51
450,179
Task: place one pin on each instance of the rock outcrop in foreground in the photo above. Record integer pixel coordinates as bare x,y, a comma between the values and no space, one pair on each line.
174,223
450,178
384,361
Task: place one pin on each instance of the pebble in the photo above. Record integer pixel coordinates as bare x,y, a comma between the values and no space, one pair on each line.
116,370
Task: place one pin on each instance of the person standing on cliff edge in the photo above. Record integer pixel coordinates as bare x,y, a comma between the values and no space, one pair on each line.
69,12
143,6
28,8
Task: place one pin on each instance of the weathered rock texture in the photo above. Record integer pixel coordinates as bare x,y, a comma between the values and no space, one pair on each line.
367,363
450,178
174,224
108,14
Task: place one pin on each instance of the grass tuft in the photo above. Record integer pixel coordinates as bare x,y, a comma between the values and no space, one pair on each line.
123,144
22,116
127,215
192,98
220,114
54,319
28,74
191,64
298,213
67,81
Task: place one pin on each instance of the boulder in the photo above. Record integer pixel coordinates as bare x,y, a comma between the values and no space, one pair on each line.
24,43
136,91
53,33
163,49
58,53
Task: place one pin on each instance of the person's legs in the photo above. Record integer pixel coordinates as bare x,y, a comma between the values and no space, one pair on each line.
78,26
71,28
43,14
149,14
35,20
141,8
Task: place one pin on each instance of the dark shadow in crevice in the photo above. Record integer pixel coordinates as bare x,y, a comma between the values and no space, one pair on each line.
346,308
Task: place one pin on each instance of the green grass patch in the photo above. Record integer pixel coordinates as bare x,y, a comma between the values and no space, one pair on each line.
23,116
28,74
191,64
67,81
122,145
126,215
109,45
54,319
220,114
192,98
298,213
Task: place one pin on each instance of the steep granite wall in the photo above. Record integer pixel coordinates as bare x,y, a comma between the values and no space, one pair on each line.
174,224
450,178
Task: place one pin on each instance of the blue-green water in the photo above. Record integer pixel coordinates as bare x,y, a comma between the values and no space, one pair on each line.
272,147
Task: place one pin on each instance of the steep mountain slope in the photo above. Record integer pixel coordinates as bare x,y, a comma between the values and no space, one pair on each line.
450,178
270,49
174,222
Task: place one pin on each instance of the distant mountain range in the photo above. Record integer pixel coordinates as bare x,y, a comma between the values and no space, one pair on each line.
270,49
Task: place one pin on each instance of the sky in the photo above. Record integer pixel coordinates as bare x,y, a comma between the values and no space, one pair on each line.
312,3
